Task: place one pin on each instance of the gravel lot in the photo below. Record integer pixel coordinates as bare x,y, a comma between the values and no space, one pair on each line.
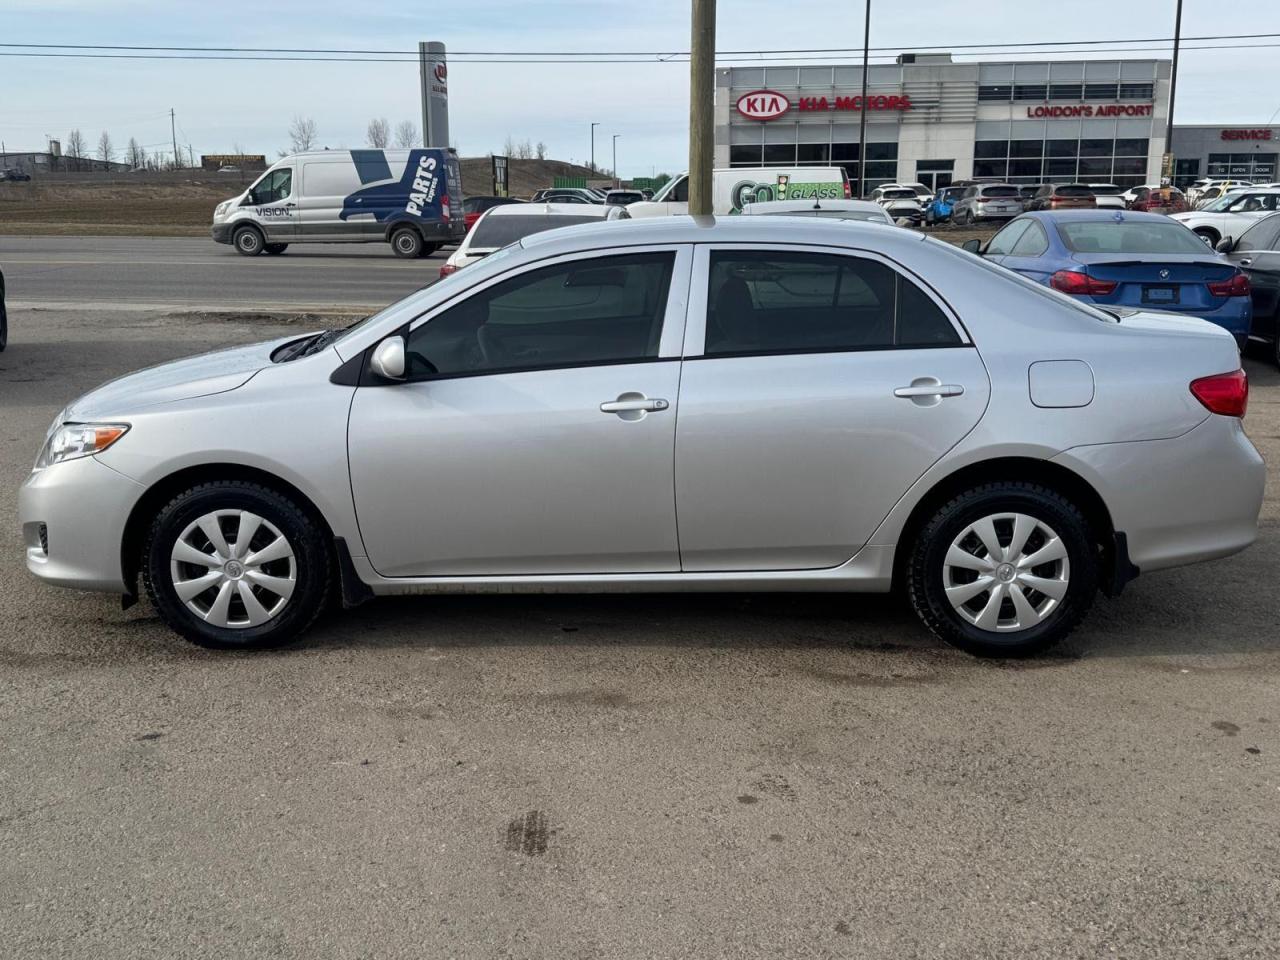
560,777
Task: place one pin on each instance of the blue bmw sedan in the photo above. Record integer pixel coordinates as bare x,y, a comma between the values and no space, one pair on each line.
1119,258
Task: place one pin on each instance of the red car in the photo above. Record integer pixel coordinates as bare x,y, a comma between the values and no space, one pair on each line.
472,207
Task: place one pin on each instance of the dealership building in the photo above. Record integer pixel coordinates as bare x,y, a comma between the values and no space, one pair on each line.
935,121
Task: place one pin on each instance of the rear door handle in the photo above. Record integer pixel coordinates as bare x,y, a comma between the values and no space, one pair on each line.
633,406
934,389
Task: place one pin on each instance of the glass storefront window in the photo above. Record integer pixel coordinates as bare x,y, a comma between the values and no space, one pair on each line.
1031,91
1131,148
1095,148
844,151
1028,170
783,153
1095,168
1100,91
995,91
1060,169
1130,166
882,151
1026,148
1137,91
813,153
990,149
991,168
1062,148
741,156
1066,91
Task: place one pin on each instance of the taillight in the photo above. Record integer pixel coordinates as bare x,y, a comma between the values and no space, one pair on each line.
1237,286
446,269
1224,393
848,191
1081,284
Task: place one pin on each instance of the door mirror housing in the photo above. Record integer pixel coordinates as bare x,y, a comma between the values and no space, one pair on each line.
973,246
388,360
1225,245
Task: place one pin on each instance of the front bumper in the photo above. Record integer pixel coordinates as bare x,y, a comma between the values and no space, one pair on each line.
1178,501
221,232
83,506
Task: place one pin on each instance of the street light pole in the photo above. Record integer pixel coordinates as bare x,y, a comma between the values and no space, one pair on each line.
1167,165
862,106
615,158
593,145
702,86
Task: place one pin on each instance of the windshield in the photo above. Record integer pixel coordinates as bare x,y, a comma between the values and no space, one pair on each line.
902,194
667,188
1217,206
497,231
1131,236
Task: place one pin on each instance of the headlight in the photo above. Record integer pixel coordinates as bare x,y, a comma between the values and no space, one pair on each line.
73,440
221,208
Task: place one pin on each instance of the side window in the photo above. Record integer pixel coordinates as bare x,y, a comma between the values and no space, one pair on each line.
603,310
1263,235
1032,243
776,302
971,192
680,192
1002,243
277,185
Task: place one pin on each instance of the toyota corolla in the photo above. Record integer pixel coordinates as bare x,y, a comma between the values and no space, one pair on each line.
750,404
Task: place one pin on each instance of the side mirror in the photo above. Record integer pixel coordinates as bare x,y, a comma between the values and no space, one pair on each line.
388,359
1225,245
973,246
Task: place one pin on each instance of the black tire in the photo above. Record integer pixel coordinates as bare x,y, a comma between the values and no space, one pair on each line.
4,322
926,569
406,243
275,249
1208,235
1275,345
312,565
428,249
248,241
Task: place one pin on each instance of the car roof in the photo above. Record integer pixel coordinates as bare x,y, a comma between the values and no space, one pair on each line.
553,209
775,206
708,229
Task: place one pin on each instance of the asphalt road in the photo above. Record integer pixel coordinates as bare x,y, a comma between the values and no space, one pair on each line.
196,273
651,776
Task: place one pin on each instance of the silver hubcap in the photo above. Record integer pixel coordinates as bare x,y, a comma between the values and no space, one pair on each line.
1006,572
233,569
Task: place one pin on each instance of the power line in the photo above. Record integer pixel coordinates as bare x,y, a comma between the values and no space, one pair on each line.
550,59
631,53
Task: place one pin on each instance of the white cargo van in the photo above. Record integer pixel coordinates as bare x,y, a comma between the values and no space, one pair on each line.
411,199
733,189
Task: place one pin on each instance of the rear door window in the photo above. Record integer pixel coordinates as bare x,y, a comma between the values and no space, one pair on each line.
1002,243
766,302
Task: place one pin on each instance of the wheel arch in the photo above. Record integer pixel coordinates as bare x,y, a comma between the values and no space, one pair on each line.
400,223
165,489
1027,470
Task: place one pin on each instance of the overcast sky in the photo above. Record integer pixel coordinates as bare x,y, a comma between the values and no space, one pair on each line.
221,103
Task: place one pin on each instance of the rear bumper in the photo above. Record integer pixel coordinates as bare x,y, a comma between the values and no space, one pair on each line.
1194,497
83,506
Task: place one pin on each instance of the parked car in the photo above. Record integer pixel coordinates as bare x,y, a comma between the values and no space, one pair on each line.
14,175
559,194
1201,184
1215,191
1140,261
1257,254
411,199
1108,196
4,317
900,203
1231,215
1062,196
1026,192
1155,198
672,405
473,207
987,201
864,210
506,224
939,209
921,191
733,188
623,197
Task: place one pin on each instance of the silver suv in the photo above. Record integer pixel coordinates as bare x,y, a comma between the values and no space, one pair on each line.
750,403
987,201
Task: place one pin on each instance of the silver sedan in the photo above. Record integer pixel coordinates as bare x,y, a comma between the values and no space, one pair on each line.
672,404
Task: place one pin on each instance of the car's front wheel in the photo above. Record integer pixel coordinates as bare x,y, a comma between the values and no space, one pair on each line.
1208,235
236,564
1004,569
248,241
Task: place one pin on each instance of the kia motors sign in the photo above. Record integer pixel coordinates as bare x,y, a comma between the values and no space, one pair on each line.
763,105
878,102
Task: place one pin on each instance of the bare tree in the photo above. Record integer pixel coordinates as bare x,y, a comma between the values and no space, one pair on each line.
378,133
509,146
75,147
106,152
407,134
540,151
135,154
302,134
525,150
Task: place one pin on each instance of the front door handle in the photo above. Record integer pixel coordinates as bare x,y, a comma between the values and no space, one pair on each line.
633,406
934,389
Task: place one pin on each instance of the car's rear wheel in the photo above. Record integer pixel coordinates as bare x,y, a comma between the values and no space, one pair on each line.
1004,569
236,564
407,243
275,249
248,241
429,248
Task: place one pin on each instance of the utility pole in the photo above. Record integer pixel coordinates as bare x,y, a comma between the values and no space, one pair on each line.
702,85
174,132
615,158
862,107
593,145
1166,166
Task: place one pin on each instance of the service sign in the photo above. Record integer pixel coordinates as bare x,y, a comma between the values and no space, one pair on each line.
1246,135
763,105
